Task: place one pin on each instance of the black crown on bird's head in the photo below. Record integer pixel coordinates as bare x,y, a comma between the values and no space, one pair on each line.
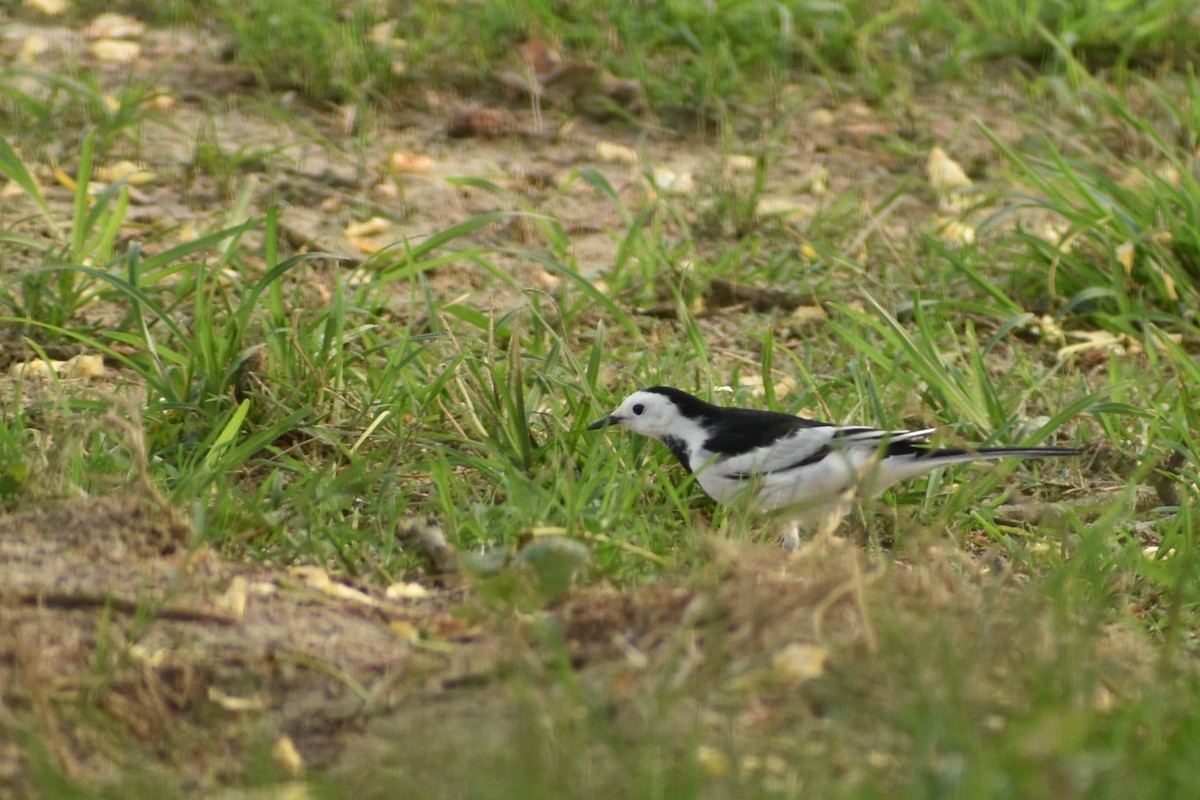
688,405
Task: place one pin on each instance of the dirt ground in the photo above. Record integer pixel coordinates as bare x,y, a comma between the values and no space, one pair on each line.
107,613
313,162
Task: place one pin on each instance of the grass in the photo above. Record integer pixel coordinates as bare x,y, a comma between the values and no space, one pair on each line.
295,410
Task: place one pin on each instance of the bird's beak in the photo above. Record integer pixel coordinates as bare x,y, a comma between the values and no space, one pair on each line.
603,423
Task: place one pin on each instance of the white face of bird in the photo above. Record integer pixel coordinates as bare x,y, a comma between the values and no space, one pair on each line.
650,414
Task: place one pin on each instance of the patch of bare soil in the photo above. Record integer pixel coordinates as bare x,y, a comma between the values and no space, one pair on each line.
106,614
121,646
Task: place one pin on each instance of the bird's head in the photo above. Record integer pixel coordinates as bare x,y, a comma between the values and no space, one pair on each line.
650,412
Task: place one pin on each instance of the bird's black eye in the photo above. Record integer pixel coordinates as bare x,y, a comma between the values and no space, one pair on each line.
638,409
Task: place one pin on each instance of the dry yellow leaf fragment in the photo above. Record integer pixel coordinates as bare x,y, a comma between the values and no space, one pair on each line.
110,25
233,599
150,658
33,47
614,153
945,174
80,367
714,762
287,756
35,368
318,579
132,173
1125,253
382,33
739,162
956,232
822,118
116,50
406,591
805,314
677,184
51,8
404,161
370,227
404,629
784,206
238,704
799,662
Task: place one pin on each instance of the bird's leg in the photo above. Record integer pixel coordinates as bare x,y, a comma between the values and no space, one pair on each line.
833,514
827,522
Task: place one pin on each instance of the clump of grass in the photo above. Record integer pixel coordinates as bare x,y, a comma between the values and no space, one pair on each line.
1099,34
692,61
42,103
1117,243
310,46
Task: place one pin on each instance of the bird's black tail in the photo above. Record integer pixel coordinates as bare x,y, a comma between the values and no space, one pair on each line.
982,453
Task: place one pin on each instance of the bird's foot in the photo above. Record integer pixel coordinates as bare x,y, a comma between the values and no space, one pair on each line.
790,541
827,523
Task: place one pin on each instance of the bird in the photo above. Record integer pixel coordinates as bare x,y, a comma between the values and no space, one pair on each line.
810,469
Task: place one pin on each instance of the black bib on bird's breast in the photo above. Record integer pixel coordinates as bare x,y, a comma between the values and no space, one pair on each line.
679,449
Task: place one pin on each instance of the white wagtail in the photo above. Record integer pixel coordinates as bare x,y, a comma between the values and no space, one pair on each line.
814,470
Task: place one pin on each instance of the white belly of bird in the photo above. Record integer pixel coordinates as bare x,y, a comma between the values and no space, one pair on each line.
808,488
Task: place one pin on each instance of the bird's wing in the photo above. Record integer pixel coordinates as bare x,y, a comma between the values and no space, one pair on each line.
741,430
808,446
855,436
